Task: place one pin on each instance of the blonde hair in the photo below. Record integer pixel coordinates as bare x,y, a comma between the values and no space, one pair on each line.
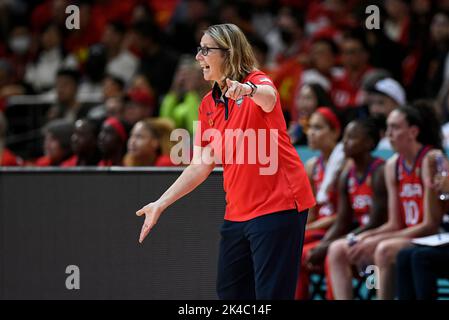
239,56
163,128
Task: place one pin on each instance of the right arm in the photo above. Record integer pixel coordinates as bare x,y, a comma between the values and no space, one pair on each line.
309,170
199,169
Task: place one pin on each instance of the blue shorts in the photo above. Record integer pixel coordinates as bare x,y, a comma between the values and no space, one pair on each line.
260,258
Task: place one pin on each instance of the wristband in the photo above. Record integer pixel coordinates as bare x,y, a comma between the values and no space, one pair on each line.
253,88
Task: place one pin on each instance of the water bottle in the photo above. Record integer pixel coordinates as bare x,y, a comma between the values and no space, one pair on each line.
443,171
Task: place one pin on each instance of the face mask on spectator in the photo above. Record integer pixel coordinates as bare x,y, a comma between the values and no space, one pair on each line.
19,44
286,35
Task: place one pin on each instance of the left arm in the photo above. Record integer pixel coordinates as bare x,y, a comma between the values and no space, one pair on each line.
265,96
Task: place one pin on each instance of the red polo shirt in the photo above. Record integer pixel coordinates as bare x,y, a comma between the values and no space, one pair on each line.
251,192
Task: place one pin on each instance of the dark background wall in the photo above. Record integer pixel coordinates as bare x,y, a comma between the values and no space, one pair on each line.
52,219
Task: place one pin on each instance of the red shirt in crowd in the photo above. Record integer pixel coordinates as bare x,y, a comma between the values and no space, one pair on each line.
347,93
164,161
8,159
287,78
411,189
255,186
43,161
105,163
70,162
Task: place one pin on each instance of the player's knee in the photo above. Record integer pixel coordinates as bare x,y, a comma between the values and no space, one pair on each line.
383,254
337,252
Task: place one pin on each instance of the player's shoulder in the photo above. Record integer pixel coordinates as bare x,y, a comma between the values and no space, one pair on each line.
312,162
432,154
392,160
390,164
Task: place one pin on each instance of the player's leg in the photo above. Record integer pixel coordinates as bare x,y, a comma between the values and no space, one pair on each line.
302,287
340,270
385,259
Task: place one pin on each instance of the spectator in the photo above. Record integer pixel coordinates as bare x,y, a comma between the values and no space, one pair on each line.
164,129
91,24
285,41
149,143
113,91
112,141
182,30
139,105
157,63
67,106
260,49
428,72
5,83
397,24
383,97
57,148
41,73
380,47
236,12
182,101
413,208
7,158
120,62
263,17
84,144
49,11
311,96
323,57
19,51
346,89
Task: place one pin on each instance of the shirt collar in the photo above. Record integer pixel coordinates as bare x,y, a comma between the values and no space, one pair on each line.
219,98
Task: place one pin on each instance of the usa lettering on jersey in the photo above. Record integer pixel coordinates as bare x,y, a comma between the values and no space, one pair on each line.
362,201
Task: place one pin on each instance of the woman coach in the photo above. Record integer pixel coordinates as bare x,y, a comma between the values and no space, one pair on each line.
263,228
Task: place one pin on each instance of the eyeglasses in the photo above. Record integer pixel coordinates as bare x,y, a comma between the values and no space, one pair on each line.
205,50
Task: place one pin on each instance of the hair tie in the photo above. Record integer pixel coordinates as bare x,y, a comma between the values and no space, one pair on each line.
118,126
330,116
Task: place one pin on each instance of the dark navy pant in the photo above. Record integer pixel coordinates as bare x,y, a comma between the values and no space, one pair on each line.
260,258
418,269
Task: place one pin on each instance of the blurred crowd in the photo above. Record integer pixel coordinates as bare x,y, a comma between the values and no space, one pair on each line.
137,59
347,91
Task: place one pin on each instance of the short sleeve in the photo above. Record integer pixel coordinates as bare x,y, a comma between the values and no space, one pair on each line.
262,79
